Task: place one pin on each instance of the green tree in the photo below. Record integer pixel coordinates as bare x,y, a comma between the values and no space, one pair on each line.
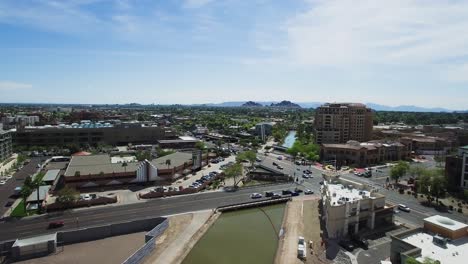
200,145
399,171
247,155
25,192
67,195
234,172
168,163
36,184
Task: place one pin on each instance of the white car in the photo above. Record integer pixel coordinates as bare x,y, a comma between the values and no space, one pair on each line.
2,182
256,195
404,208
307,191
8,177
86,197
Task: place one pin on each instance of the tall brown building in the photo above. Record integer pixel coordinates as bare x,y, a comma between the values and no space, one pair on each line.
337,123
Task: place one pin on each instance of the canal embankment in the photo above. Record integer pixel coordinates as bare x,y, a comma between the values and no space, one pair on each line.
181,236
301,218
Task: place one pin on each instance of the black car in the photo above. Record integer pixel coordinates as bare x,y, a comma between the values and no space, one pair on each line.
346,244
361,243
298,190
275,164
9,203
295,194
286,192
269,194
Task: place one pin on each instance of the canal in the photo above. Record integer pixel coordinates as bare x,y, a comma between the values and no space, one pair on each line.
290,139
244,236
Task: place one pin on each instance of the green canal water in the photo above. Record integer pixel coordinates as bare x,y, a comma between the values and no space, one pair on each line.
244,236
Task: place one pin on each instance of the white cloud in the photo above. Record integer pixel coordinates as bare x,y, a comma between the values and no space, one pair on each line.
196,3
351,33
13,86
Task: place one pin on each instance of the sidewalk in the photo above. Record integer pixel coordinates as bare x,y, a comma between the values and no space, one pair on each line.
5,167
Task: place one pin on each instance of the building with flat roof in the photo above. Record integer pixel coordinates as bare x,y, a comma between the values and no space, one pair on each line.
341,122
364,154
51,176
5,145
102,170
441,238
90,134
183,142
350,208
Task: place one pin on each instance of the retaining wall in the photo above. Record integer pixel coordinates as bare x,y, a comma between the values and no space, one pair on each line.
252,204
150,244
100,232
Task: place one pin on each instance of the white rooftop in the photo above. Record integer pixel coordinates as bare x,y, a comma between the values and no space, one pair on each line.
456,251
127,159
187,138
35,240
339,194
445,222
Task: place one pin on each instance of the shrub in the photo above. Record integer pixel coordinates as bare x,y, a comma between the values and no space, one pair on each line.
422,196
460,210
408,192
451,207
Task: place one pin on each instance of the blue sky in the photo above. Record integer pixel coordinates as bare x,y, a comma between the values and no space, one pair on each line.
395,52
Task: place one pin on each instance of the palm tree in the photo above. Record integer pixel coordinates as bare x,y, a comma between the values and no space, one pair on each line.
25,192
36,184
168,163
125,166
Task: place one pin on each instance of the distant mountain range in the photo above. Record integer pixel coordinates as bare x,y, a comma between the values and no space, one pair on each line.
376,107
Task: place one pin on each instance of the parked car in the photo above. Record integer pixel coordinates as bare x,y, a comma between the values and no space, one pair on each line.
295,194
56,224
280,167
307,171
9,203
86,197
256,195
286,192
363,243
307,191
346,244
269,194
404,208
276,195
275,164
2,182
298,190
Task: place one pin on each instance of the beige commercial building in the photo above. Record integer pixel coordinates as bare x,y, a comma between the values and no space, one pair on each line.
364,154
349,208
341,122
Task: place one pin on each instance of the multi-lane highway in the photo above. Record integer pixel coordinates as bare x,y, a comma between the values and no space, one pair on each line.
151,208
202,201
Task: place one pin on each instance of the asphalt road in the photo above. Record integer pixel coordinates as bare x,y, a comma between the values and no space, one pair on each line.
119,213
201,201
418,211
18,178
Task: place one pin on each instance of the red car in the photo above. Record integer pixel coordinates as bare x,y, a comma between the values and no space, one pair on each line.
56,224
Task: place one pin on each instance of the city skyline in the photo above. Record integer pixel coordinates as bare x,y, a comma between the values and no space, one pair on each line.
200,51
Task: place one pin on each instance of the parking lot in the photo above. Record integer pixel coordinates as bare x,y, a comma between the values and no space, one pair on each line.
17,179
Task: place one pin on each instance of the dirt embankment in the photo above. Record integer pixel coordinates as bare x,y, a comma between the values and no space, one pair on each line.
301,218
183,233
